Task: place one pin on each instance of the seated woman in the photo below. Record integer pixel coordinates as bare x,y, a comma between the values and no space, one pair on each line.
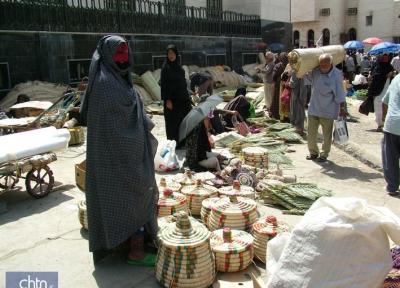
238,105
198,148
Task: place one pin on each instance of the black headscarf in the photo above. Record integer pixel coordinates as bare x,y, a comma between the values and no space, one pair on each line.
106,48
241,91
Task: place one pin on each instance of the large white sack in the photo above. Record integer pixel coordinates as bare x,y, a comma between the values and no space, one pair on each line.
304,60
144,95
340,242
151,86
30,143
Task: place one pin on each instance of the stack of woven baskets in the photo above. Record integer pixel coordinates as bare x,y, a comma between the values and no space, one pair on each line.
164,184
256,157
206,208
238,190
171,202
195,195
83,215
184,256
233,249
264,230
233,212
164,221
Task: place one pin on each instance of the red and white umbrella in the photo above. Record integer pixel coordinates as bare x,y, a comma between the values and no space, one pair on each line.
372,40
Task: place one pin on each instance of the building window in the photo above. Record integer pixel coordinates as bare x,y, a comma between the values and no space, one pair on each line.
5,82
249,58
77,69
325,12
368,20
216,59
124,4
326,37
352,11
310,38
296,39
352,34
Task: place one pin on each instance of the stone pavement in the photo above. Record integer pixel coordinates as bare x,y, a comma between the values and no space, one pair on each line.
45,234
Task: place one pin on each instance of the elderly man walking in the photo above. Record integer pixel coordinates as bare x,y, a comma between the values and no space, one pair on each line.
391,137
326,104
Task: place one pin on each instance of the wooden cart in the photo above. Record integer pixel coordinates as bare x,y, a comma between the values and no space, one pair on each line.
39,179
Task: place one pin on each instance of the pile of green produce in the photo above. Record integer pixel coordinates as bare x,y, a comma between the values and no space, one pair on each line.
296,198
361,94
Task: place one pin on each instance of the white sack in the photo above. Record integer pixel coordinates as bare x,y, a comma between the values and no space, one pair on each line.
340,242
30,143
151,86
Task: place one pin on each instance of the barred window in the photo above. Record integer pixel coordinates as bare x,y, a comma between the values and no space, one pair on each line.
77,69
175,7
5,82
214,8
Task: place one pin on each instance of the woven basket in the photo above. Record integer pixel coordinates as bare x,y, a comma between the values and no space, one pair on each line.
234,212
77,136
82,214
168,184
185,179
171,202
184,256
206,208
196,194
238,190
233,249
264,230
80,175
255,156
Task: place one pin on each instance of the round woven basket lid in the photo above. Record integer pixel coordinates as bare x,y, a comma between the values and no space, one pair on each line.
255,151
163,221
184,232
234,205
207,203
237,189
168,198
185,178
270,227
227,240
199,189
168,184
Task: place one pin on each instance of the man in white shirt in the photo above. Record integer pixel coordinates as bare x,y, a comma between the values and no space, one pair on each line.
396,63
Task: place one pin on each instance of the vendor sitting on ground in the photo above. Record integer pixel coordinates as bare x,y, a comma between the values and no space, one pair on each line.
238,104
198,148
201,83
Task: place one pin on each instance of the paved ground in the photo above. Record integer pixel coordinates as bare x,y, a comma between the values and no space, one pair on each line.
45,235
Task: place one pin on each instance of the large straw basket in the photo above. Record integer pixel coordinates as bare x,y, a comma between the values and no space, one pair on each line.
164,221
171,202
184,256
168,184
234,212
80,175
264,230
255,156
186,178
196,194
393,278
206,208
233,249
238,190
82,214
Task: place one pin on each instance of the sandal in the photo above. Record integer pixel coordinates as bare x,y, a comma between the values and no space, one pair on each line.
149,260
322,159
312,157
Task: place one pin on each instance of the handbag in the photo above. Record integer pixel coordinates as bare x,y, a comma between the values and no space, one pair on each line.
241,127
367,106
341,133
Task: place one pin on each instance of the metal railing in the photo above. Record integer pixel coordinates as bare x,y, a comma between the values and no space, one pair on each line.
124,16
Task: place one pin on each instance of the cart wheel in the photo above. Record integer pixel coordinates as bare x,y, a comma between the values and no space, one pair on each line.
39,182
8,181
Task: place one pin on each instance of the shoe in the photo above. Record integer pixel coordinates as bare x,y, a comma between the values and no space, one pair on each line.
322,159
379,129
394,194
149,260
312,157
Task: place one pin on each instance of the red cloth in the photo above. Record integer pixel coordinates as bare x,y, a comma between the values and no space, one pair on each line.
122,53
